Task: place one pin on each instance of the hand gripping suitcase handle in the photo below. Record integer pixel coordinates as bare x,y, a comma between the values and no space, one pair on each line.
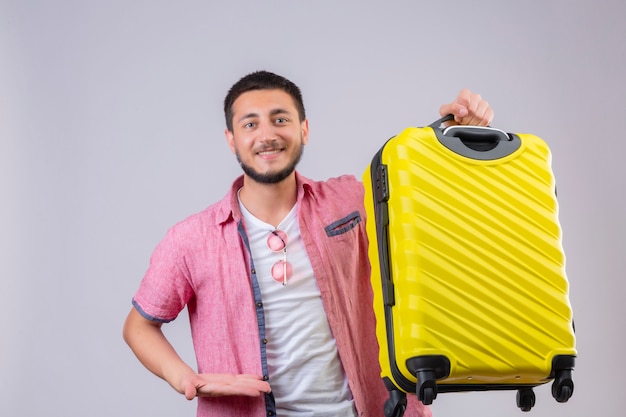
475,142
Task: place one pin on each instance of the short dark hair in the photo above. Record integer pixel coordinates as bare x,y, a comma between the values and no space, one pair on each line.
261,80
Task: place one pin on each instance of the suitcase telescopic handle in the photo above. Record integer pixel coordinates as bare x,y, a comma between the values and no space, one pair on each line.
476,142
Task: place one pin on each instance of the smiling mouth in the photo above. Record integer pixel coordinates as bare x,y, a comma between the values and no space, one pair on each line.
269,152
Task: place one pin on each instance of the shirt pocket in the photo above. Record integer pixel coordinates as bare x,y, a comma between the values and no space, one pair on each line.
342,226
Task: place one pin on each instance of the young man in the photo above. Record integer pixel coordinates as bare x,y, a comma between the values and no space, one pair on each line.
275,277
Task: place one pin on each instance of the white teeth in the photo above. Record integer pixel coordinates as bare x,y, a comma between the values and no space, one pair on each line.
269,152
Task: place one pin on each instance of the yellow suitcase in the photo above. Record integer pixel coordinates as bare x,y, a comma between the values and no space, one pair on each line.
468,270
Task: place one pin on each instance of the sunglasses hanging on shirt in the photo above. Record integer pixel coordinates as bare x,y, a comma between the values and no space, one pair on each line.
281,270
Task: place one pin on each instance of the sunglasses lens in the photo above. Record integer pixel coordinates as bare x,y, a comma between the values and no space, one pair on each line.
277,240
279,269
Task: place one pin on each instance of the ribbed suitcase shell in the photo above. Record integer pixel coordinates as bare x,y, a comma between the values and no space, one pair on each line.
476,264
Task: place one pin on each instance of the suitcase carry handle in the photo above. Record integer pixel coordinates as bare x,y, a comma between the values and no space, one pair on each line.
476,142
438,123
471,133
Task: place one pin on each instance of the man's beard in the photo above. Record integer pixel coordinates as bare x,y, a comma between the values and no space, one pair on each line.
274,177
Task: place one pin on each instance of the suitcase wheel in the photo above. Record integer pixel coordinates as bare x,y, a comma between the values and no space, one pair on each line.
396,404
563,385
525,399
426,387
428,395
564,394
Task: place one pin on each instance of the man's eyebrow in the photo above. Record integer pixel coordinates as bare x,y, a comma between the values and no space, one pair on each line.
273,112
278,111
248,116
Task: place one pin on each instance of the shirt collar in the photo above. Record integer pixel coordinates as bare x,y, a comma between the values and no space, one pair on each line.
228,207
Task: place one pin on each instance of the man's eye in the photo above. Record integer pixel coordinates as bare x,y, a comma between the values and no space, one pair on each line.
281,120
248,125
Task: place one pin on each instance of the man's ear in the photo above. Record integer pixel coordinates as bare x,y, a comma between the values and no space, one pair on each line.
230,139
304,126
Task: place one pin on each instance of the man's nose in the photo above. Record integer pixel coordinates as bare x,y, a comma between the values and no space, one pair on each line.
267,131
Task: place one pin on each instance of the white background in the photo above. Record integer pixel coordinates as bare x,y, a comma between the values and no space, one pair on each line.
111,130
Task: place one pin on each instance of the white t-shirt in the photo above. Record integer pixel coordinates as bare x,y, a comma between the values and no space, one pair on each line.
306,376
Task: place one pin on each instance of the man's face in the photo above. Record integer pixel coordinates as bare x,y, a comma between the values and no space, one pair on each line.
268,137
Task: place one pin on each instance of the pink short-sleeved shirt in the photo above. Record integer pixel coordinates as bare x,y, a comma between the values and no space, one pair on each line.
204,263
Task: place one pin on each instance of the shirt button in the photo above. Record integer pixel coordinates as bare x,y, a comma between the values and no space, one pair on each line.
266,378
259,304
270,413
265,341
253,271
